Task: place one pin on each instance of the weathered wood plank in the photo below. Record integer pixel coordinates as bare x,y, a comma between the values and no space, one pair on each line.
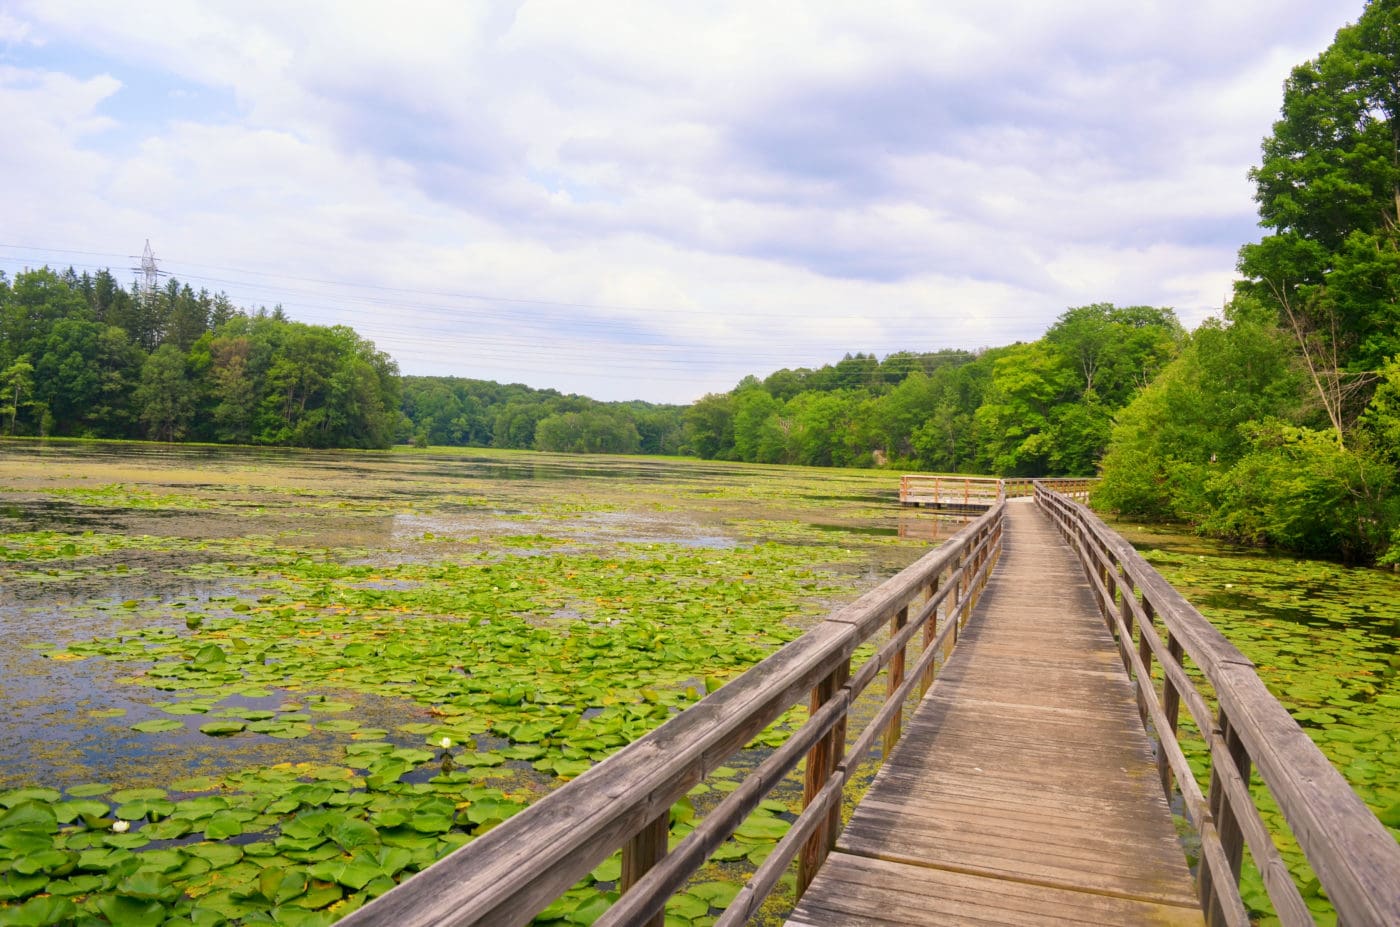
879,892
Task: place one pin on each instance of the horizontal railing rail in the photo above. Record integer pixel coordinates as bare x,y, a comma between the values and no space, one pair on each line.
1245,731
512,872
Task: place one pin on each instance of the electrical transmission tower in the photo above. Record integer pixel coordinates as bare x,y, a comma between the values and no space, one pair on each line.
150,273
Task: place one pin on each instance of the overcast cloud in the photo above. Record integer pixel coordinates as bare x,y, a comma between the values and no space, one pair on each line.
650,200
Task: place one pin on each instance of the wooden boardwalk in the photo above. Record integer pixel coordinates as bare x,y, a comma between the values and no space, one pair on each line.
1025,790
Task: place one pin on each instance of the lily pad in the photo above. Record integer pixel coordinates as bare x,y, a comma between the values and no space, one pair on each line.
158,725
222,728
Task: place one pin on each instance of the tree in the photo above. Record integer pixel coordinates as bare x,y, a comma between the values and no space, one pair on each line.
709,427
1328,186
165,395
1188,424
16,388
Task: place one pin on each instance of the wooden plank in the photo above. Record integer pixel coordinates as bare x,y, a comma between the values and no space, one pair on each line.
1025,775
879,892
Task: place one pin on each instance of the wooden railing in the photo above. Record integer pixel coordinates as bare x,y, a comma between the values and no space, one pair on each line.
980,491
512,872
960,491
1245,731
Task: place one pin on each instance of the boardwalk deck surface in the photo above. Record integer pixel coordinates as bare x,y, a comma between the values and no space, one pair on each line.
1024,790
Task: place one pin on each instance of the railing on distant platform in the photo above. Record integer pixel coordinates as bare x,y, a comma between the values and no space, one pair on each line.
511,873
1245,729
979,492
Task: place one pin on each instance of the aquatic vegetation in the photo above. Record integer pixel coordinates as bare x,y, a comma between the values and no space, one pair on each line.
321,675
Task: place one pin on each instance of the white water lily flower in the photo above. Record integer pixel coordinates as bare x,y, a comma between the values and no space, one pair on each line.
121,827
446,743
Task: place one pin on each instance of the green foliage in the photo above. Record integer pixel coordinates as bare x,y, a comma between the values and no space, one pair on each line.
78,356
1029,409
1186,424
1329,187
1279,426
459,412
1298,489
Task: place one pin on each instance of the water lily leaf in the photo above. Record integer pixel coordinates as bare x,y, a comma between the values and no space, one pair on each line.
210,655
151,808
278,885
69,811
353,874
103,860
157,726
132,841
136,912
195,783
25,841
761,827
53,863
14,797
718,894
338,725
15,886
222,728
222,825
318,897
30,815
147,885
39,912
687,905
89,790
219,855
350,833
126,795
609,870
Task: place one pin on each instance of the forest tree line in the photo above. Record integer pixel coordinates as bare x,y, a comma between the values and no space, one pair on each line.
82,357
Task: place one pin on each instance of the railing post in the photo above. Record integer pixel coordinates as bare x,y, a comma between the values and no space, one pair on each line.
1231,837
1124,585
894,680
821,761
1145,627
1171,707
646,848
930,632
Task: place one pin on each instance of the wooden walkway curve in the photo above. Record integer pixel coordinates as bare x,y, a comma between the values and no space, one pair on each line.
1025,790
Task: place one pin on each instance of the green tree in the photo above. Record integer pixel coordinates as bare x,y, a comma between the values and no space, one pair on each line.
755,415
1188,424
709,427
165,395
84,377
1328,186
16,388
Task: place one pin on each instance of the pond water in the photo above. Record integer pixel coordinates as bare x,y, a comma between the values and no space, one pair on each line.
267,650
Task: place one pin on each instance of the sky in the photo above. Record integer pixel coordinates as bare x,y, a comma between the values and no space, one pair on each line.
650,200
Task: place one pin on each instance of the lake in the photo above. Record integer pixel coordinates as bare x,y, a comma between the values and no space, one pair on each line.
252,659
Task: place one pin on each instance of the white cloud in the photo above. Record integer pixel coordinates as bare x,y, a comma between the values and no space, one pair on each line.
668,195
